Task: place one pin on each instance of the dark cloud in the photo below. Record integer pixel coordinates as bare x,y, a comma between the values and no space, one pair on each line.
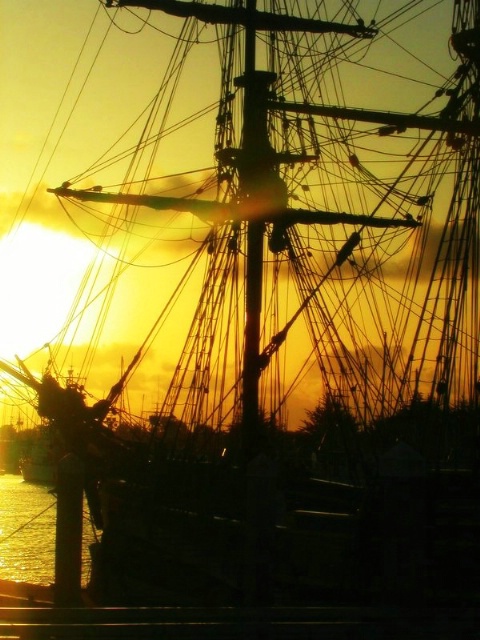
422,248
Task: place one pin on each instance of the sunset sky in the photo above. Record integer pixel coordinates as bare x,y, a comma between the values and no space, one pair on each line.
43,254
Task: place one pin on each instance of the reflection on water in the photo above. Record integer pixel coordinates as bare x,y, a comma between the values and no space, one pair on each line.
27,532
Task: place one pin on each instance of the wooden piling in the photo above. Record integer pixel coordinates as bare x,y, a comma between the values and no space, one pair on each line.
68,543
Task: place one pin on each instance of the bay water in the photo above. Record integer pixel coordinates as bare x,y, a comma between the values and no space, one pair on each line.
27,532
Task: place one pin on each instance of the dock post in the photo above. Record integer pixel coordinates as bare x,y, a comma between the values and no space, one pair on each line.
260,531
403,475
68,543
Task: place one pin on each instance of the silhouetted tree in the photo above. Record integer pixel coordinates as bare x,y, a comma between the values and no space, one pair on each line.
330,438
268,438
328,425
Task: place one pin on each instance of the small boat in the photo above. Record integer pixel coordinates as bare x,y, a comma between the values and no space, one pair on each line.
38,470
38,462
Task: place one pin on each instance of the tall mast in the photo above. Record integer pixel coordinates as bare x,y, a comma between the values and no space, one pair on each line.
255,176
254,129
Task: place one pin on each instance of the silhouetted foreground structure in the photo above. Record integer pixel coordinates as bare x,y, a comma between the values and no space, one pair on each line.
339,623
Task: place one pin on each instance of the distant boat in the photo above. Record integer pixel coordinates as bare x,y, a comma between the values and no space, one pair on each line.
38,463
33,470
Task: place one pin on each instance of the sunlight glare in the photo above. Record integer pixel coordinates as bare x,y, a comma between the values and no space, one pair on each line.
41,271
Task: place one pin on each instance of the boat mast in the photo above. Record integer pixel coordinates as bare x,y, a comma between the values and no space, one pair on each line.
254,171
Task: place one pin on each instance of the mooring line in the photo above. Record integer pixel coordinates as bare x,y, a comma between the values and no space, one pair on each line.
25,524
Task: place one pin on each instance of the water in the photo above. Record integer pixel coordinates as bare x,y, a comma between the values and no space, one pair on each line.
27,532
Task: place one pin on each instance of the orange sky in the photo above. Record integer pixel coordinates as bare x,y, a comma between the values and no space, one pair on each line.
42,254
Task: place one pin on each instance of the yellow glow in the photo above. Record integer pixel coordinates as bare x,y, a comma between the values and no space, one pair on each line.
41,271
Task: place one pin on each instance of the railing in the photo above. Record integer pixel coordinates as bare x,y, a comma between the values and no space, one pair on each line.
184,623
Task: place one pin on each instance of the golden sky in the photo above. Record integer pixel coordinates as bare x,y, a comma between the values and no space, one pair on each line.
43,255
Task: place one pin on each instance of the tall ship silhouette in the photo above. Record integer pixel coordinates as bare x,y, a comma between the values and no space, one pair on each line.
329,248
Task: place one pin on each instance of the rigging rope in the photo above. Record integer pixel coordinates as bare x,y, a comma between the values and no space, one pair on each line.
19,213
27,524
335,186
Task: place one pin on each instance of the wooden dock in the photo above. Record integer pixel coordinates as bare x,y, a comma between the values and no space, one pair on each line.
24,594
282,623
27,612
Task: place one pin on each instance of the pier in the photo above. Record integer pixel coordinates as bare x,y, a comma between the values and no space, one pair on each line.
185,623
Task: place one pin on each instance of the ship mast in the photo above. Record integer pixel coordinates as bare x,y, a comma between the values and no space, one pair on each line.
257,155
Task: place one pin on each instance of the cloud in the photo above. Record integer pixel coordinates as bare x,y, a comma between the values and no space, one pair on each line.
36,206
80,219
422,250
110,361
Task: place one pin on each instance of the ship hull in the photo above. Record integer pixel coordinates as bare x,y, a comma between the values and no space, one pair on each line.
37,472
